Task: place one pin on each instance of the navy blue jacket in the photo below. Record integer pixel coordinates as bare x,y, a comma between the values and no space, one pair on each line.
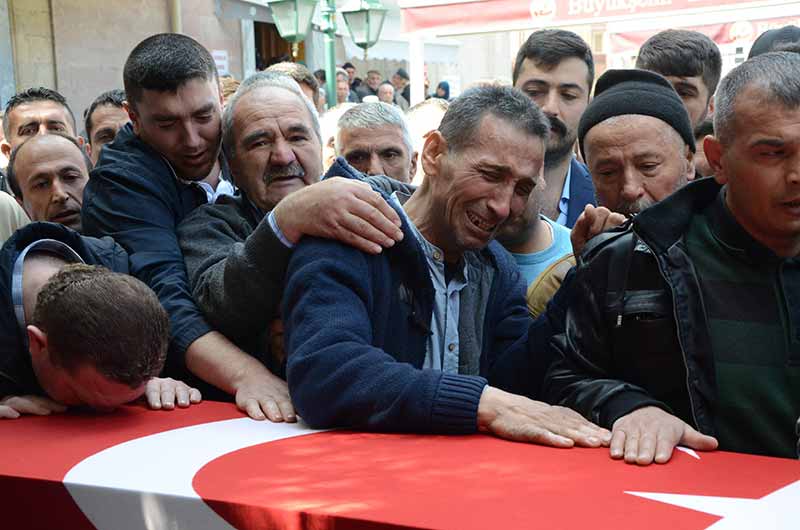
134,196
16,373
581,191
357,327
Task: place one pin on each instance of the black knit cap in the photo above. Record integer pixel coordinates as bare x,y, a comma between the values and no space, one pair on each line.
624,92
767,41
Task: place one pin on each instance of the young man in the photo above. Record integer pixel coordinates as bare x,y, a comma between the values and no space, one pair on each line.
35,111
555,69
75,329
103,119
147,181
690,61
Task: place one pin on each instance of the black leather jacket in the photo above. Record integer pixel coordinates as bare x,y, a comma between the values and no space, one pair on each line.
636,331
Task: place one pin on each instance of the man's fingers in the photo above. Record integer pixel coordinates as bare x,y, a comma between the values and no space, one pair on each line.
385,209
36,405
665,444
287,411
647,449
153,394
272,410
253,409
168,396
195,396
695,440
362,228
631,447
617,445
372,212
182,395
8,413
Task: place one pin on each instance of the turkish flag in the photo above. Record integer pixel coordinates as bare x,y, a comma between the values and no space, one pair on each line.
208,467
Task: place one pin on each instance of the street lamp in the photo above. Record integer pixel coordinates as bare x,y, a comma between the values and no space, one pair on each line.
293,18
364,19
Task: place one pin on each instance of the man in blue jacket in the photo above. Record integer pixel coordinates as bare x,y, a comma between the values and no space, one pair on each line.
150,178
412,339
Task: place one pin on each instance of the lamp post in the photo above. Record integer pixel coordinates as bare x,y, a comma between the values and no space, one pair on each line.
293,18
364,19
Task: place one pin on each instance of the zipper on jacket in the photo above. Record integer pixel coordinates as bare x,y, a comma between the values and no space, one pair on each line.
680,342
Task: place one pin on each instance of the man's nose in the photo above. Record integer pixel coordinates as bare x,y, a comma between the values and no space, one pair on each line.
549,103
499,203
632,189
282,154
375,165
58,191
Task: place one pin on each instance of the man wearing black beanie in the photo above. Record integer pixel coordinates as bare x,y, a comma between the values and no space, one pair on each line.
682,328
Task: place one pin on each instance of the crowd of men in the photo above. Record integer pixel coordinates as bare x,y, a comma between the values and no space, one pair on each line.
547,262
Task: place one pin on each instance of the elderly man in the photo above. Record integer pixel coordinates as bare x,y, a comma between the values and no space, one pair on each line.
147,181
637,140
374,139
35,111
555,68
683,330
412,340
370,86
47,175
74,333
690,61
236,257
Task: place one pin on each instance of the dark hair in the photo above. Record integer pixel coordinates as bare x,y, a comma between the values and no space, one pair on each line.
11,170
703,129
348,65
31,95
320,74
109,320
299,73
684,53
113,97
463,117
548,47
164,62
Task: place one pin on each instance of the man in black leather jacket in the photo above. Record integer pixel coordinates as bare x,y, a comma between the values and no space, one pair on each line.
684,324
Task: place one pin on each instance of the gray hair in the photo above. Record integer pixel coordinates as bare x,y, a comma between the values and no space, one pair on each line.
461,121
777,74
254,82
372,116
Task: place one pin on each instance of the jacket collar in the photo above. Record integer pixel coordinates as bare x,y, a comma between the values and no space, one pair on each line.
737,240
664,224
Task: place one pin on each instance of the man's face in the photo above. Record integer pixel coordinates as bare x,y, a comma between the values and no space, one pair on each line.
373,80
183,126
478,189
106,121
386,93
36,117
51,172
342,89
276,149
85,386
398,82
351,73
761,168
694,94
635,161
378,151
562,93
515,230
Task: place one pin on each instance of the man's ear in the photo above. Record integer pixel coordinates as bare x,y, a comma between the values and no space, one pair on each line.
433,152
37,343
88,147
413,169
133,115
5,147
690,169
712,147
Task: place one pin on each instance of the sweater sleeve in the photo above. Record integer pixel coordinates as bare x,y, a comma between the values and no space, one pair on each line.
236,276
338,376
140,220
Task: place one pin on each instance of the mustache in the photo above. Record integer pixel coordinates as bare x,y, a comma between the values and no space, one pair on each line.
291,170
558,126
